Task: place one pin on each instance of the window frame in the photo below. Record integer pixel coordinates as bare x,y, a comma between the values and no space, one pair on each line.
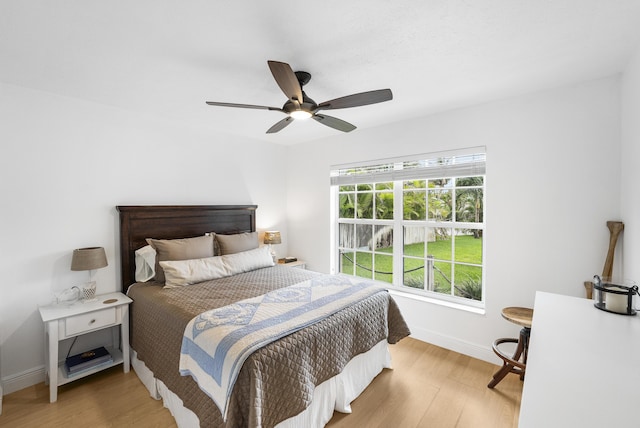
399,223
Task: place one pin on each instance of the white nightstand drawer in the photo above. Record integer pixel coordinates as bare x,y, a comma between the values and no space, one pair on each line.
89,321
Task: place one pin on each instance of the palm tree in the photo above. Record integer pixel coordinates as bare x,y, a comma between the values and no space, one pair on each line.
347,205
384,205
414,205
469,201
364,205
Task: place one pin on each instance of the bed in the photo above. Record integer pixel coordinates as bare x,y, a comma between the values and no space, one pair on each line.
299,379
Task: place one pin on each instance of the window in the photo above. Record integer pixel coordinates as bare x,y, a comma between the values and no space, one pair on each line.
417,223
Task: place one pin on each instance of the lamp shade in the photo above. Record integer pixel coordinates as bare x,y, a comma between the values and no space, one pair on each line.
272,237
88,258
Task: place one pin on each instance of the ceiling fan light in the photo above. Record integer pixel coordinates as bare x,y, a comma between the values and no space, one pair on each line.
300,114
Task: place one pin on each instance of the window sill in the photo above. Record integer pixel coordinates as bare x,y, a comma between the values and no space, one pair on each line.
452,305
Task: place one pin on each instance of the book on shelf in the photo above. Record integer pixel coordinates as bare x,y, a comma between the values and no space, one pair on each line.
87,360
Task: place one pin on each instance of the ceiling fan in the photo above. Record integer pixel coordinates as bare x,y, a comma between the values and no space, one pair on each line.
300,106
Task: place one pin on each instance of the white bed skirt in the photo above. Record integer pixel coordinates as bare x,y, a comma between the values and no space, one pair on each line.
336,393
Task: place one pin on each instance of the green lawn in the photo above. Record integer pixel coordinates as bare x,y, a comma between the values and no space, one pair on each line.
467,250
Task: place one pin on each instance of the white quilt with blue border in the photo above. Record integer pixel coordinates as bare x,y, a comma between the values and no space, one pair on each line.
217,342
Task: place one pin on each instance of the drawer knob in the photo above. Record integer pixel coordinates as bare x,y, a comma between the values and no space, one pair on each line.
92,321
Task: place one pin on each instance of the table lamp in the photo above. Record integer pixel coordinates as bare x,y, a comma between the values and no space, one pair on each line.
90,259
272,237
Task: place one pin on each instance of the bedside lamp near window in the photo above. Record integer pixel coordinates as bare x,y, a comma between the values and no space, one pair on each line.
272,237
90,259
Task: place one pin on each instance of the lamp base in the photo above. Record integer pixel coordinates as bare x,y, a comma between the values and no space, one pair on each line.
273,253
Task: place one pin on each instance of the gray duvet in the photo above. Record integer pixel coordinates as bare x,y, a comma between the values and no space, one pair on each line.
277,381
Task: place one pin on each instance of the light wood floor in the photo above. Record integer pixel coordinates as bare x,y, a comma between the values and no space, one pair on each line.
429,386
433,387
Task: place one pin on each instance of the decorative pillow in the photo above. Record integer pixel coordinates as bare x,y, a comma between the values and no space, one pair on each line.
246,261
145,259
216,244
186,272
231,244
179,273
180,249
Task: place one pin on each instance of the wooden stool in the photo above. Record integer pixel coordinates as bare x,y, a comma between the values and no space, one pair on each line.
512,364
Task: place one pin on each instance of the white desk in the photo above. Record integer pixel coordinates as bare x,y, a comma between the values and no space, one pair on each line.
583,368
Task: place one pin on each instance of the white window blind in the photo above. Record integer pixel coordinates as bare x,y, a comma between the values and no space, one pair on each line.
460,163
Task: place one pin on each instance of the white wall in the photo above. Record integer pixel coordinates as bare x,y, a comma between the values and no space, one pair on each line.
553,161
630,197
65,165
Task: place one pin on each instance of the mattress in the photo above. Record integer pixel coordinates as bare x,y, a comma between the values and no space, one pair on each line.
277,381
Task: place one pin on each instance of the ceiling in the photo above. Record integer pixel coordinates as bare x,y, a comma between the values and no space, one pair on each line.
167,57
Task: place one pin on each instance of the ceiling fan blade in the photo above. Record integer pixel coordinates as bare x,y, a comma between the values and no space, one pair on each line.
280,125
214,103
333,122
356,100
286,79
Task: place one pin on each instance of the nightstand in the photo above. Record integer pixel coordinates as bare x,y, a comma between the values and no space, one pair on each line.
66,321
300,264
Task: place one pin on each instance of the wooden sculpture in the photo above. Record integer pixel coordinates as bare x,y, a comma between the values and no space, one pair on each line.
615,229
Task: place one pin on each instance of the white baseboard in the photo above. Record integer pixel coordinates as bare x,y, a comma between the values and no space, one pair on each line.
22,380
484,353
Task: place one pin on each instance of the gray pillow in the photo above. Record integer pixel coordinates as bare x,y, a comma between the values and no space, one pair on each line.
180,249
231,244
216,244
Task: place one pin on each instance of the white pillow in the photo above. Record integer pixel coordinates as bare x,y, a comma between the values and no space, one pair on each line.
179,273
246,261
186,272
145,259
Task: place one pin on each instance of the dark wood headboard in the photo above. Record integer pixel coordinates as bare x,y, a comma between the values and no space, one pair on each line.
176,221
